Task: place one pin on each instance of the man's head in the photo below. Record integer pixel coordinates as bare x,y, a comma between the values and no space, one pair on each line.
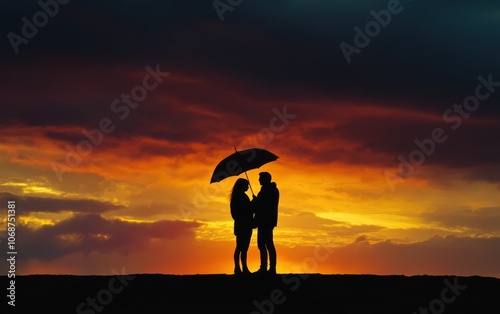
264,178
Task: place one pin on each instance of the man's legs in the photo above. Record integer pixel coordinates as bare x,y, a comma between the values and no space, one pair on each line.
265,242
272,252
261,244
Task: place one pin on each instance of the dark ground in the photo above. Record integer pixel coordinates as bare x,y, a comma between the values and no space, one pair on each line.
284,293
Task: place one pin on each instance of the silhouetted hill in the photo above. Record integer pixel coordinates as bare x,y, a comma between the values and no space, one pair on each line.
284,293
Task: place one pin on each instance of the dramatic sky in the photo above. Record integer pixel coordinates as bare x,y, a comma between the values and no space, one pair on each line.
384,116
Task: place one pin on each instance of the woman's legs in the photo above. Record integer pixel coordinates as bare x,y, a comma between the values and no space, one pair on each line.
237,253
236,256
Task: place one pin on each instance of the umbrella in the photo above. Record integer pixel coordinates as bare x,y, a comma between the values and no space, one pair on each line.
242,161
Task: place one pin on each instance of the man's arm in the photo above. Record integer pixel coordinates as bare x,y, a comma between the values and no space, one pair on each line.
275,206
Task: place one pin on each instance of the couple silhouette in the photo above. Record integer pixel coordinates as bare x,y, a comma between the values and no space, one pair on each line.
261,213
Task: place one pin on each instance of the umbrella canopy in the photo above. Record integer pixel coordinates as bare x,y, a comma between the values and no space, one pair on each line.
241,161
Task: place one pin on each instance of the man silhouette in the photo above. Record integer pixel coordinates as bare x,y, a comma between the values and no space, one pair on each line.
266,218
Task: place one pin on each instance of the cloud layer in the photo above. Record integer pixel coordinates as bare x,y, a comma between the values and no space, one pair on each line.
92,233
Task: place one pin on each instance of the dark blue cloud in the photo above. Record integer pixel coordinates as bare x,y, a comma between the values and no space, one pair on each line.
428,53
53,205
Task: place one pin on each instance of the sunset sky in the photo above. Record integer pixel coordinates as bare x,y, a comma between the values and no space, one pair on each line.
114,115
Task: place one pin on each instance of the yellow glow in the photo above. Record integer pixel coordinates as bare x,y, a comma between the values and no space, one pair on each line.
41,190
101,236
36,222
71,237
135,220
32,187
367,219
216,231
14,184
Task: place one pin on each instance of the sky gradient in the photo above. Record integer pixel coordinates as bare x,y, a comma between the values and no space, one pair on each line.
115,114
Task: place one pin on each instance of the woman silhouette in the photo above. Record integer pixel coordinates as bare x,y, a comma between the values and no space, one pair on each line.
242,215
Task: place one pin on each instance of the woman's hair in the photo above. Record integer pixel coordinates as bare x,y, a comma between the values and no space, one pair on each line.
239,186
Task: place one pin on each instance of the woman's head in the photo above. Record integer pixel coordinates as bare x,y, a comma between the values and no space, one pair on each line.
240,186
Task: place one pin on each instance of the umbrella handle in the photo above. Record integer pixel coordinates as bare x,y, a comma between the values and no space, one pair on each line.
249,184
